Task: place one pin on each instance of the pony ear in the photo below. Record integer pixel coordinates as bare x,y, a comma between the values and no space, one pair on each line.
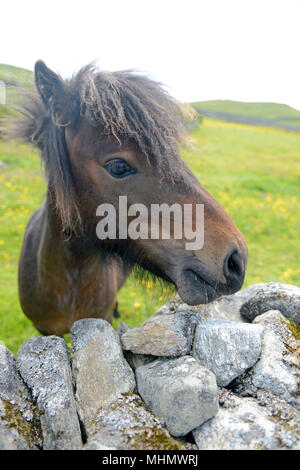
52,91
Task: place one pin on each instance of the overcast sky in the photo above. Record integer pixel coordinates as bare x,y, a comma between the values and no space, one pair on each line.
201,49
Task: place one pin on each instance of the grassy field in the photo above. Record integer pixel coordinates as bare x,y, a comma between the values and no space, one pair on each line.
253,172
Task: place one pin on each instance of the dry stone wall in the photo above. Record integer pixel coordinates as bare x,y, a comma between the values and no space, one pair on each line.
220,376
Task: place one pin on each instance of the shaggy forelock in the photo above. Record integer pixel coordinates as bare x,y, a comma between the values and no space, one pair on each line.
127,105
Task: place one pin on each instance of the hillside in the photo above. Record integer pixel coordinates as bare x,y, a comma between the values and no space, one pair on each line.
264,114
14,79
15,76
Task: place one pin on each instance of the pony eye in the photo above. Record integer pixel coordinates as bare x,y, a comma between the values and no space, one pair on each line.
118,168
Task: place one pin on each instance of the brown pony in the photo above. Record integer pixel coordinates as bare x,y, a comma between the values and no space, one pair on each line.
103,135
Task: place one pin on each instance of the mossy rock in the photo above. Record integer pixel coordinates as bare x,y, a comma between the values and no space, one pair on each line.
129,425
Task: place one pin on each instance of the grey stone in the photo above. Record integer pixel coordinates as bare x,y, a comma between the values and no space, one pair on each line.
129,425
18,420
228,307
134,360
95,444
102,374
227,348
225,307
122,328
164,310
273,296
278,370
137,360
180,391
10,439
171,306
162,335
44,364
250,424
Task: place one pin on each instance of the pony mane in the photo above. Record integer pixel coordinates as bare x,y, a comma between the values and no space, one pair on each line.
123,105
126,104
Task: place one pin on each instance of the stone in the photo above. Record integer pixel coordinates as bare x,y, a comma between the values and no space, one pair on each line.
171,306
19,422
137,360
266,423
44,364
129,425
122,328
102,374
134,360
164,310
225,307
94,444
228,307
11,439
273,296
180,391
162,335
278,370
227,348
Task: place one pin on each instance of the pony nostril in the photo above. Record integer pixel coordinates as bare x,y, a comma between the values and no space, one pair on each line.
233,266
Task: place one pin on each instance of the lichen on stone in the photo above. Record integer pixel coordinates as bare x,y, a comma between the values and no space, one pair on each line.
284,416
129,424
13,418
293,327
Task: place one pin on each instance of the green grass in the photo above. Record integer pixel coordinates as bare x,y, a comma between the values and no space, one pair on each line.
253,172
